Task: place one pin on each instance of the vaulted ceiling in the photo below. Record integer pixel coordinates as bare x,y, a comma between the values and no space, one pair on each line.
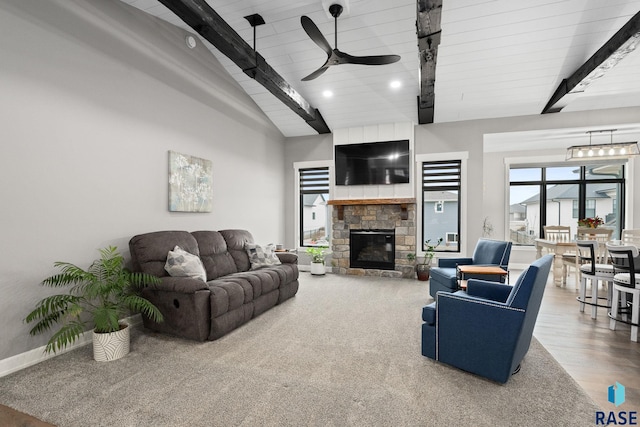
496,58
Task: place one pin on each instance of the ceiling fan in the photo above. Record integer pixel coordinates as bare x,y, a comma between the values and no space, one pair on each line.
335,56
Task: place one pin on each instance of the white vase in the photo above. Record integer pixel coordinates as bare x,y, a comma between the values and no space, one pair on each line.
317,268
112,345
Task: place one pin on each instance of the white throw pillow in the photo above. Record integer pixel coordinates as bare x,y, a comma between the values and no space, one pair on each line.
181,263
261,256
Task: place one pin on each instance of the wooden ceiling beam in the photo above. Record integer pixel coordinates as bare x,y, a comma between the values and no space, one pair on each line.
428,28
612,52
206,22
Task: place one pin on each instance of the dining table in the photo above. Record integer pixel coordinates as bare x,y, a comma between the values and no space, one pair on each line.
558,248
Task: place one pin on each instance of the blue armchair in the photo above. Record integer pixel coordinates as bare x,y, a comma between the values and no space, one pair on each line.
488,329
487,252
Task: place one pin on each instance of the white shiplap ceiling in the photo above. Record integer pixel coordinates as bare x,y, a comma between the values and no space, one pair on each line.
496,58
506,58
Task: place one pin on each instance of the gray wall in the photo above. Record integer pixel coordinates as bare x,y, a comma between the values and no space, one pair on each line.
301,149
93,96
486,183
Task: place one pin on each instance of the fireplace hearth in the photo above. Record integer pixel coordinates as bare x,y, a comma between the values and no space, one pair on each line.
372,249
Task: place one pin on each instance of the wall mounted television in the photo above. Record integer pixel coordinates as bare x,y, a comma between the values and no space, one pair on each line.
373,163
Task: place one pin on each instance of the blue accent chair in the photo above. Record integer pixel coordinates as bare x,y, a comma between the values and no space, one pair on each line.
487,252
486,330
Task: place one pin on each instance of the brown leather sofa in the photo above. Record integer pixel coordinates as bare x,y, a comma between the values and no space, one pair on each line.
233,293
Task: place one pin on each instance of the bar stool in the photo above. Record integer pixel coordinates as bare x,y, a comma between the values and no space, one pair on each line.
595,272
625,282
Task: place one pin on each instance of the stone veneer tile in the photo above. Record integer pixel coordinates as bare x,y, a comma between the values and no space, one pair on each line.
368,217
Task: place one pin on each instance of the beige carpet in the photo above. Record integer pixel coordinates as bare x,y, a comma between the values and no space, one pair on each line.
344,351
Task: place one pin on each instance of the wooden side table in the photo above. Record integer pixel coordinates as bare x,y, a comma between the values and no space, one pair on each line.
492,270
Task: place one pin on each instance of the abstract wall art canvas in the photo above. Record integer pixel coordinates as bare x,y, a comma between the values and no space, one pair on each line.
190,183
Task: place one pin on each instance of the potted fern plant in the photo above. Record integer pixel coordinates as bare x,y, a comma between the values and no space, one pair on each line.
99,296
423,266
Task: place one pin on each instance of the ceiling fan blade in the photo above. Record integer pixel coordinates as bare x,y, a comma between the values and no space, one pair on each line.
316,73
370,60
314,34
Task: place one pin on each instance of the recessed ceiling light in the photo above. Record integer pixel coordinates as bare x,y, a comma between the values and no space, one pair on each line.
191,41
395,84
327,94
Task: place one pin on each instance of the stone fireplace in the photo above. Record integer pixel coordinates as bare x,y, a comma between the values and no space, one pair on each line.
379,220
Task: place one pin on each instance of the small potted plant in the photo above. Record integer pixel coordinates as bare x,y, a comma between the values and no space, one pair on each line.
101,296
317,254
423,266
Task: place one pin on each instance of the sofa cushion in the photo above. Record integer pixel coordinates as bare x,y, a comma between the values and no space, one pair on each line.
261,256
181,263
236,240
149,251
263,281
228,295
286,272
214,254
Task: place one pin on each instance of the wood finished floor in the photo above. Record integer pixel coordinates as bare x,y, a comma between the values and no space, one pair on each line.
595,356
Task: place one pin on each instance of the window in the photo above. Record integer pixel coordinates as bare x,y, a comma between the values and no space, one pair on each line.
590,208
441,185
562,195
314,212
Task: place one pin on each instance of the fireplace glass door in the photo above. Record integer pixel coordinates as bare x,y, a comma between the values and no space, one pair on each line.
374,249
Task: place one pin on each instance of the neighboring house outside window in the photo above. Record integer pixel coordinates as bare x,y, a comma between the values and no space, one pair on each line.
561,195
314,219
441,192
451,238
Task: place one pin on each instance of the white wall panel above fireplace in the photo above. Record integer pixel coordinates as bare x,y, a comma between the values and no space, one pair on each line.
376,133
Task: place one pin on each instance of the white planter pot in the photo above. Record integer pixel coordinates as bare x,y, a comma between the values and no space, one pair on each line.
111,346
317,268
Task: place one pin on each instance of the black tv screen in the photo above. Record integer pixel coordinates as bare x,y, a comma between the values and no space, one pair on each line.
372,163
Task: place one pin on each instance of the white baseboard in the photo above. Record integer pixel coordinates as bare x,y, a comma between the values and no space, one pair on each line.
37,355
305,267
